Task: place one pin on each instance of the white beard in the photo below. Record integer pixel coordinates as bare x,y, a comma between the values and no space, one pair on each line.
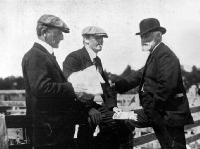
148,46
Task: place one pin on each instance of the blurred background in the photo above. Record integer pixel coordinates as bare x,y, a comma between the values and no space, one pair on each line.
120,18
121,52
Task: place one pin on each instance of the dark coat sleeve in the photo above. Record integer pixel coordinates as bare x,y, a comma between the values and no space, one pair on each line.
71,64
39,71
129,82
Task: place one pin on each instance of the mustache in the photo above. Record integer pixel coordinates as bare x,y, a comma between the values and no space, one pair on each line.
145,44
99,43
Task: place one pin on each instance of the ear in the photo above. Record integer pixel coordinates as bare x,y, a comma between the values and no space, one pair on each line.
44,31
86,40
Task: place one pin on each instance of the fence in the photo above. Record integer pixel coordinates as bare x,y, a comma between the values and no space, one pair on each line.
21,121
151,136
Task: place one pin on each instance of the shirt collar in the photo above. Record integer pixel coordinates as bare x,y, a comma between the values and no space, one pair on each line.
91,53
46,46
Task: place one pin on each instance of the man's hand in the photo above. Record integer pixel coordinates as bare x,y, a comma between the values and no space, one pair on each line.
116,109
84,96
95,116
113,78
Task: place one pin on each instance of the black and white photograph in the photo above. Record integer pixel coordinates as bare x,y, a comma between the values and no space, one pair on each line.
100,74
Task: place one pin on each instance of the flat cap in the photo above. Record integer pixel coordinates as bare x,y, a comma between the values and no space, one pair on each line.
94,30
53,21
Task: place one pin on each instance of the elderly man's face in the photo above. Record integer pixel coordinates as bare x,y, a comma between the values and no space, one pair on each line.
53,37
148,41
95,43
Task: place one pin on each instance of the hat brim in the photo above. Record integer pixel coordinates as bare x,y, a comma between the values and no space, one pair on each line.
65,30
102,35
99,35
161,29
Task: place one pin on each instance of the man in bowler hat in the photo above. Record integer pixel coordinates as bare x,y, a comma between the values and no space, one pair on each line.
161,91
108,137
49,98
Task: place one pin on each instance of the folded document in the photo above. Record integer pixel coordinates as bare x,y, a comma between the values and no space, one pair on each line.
125,115
87,81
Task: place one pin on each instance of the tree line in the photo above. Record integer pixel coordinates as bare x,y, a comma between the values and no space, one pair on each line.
11,82
189,78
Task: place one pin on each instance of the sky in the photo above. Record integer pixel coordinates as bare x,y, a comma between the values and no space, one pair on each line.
119,18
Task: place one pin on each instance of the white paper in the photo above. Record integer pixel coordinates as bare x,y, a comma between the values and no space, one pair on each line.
125,115
87,81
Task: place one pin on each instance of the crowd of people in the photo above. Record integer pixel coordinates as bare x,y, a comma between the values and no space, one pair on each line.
55,108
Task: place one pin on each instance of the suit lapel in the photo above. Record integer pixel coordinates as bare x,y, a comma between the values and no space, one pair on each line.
56,64
53,58
149,59
99,64
156,50
86,61
144,72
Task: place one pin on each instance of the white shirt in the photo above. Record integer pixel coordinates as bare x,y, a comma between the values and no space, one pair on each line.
46,46
93,55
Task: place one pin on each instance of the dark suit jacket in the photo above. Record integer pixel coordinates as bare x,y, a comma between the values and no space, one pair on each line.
49,97
162,83
79,60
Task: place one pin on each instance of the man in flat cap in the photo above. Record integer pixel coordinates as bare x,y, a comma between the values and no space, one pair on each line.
161,91
101,115
49,98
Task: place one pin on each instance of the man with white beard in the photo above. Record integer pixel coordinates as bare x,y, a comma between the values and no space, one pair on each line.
161,91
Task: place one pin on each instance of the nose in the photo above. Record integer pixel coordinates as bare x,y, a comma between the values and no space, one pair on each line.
101,41
61,36
143,40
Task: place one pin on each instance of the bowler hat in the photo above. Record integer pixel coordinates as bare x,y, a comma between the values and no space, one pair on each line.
149,25
94,30
53,21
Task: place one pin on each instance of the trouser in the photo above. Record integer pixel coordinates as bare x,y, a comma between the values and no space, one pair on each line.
104,140
107,140
85,136
177,136
60,144
53,132
63,146
111,134
168,137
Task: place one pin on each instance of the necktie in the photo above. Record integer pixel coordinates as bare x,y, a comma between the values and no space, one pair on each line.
143,74
97,63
